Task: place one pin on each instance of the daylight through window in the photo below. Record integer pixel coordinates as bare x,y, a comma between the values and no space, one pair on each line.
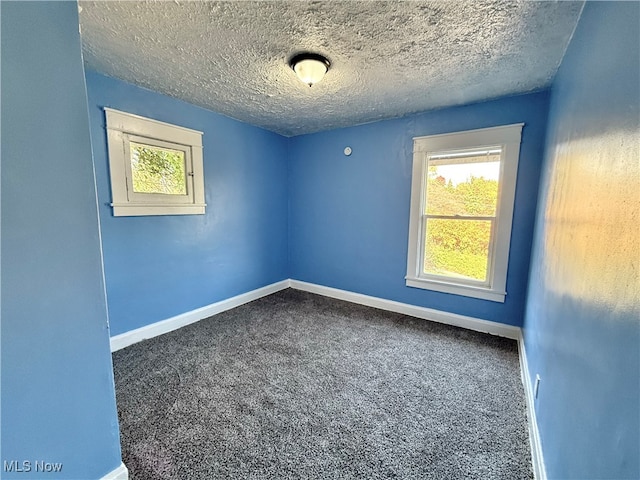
460,212
156,168
462,201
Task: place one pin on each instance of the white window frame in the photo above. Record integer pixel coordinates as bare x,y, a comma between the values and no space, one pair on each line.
508,138
122,128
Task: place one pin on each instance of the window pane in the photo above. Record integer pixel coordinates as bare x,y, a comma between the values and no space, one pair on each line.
457,248
158,170
463,185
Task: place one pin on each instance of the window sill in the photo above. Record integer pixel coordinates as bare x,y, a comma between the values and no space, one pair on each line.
456,289
131,210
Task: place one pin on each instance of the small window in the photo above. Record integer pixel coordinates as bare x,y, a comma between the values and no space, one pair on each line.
461,210
156,168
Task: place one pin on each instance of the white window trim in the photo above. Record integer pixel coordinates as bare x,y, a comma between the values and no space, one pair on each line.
123,126
508,137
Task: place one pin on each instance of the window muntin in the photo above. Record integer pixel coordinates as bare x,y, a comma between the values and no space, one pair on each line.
156,168
463,189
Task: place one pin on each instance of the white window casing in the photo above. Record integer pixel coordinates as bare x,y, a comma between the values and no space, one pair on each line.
123,128
508,139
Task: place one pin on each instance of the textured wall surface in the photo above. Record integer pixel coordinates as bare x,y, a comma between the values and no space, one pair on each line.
160,266
582,325
388,58
58,401
349,216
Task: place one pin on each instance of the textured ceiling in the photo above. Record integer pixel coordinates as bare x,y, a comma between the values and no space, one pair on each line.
388,59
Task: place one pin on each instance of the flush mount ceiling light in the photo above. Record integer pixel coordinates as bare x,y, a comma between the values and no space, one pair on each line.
309,67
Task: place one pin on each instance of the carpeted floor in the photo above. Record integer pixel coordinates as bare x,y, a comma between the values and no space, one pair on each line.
299,386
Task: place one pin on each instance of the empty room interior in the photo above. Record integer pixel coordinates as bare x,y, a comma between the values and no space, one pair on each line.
291,239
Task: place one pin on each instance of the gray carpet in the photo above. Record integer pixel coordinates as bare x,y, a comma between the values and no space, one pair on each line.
300,386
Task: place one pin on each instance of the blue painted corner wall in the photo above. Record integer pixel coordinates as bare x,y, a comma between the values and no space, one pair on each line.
157,267
582,324
58,401
296,208
349,215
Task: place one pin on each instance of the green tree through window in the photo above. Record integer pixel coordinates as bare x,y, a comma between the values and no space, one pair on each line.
462,198
157,170
460,209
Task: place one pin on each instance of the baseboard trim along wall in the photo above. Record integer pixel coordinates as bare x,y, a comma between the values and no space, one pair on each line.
164,326
470,323
537,459
493,328
120,473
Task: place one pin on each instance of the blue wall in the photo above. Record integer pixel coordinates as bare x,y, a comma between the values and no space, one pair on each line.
58,402
299,208
349,216
160,266
582,328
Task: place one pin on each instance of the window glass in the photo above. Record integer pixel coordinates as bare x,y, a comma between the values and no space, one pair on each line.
457,248
463,185
157,170
460,208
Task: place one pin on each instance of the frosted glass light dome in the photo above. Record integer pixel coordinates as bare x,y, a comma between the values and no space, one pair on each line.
310,67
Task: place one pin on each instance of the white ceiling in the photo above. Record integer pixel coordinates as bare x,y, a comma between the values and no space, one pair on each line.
389,58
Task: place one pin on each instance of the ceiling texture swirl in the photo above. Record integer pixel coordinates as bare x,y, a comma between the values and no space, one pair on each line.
388,58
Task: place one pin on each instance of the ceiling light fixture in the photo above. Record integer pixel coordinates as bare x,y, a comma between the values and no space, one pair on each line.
309,67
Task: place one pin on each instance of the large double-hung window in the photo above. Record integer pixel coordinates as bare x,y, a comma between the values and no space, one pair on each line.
461,209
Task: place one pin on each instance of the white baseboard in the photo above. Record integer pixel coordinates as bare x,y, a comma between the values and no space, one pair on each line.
539,471
470,323
164,326
120,473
